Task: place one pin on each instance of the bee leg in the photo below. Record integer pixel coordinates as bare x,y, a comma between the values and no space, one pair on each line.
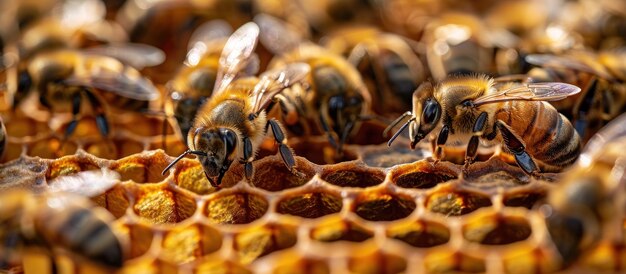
326,129
285,151
442,138
76,100
101,121
516,146
472,146
248,157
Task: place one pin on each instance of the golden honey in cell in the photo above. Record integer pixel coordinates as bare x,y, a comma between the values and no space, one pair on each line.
476,107
231,125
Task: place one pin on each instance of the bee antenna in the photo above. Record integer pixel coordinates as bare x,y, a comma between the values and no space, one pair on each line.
396,122
393,138
195,152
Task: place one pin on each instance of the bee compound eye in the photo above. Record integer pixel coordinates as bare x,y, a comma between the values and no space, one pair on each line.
431,113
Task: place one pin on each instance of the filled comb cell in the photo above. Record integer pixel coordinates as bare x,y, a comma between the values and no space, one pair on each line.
257,242
220,266
142,126
271,174
289,265
526,198
377,262
142,168
445,261
310,204
529,259
103,148
420,233
70,165
188,243
352,175
160,205
423,175
382,206
338,229
140,237
451,202
397,154
235,208
496,229
114,200
190,176
51,148
21,126
319,151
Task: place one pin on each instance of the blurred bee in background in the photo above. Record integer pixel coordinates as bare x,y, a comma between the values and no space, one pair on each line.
169,25
193,83
460,43
326,15
336,97
63,79
388,64
476,107
602,76
589,205
600,24
232,124
53,220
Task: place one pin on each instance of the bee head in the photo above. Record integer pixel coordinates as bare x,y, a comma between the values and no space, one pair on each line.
218,145
215,149
429,119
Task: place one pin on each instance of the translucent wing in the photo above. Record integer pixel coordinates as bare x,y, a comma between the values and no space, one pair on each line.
132,54
204,36
236,55
123,84
274,81
276,35
550,91
89,183
549,60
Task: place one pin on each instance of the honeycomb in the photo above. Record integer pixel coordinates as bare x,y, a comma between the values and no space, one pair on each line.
373,209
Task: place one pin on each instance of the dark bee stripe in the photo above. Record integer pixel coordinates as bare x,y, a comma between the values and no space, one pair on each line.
564,148
535,111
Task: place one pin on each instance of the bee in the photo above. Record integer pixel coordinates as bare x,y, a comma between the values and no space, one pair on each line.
476,107
193,83
62,79
232,124
336,96
602,77
589,205
57,219
387,62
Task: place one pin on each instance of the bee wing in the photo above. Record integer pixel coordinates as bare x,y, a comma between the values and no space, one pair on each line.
554,61
88,183
276,35
123,84
274,81
204,36
549,91
236,55
132,54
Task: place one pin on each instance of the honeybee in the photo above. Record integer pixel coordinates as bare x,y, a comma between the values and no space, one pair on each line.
232,123
193,83
602,77
473,107
336,97
63,79
387,62
57,219
590,204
